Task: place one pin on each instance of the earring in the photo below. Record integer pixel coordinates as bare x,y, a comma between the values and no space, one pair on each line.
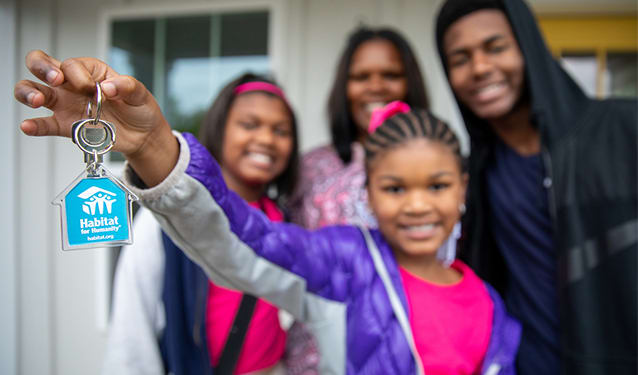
462,208
447,252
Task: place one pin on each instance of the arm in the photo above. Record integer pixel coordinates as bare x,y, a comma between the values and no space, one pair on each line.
240,248
137,315
287,263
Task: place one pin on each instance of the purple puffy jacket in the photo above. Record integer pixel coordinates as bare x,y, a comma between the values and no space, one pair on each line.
325,278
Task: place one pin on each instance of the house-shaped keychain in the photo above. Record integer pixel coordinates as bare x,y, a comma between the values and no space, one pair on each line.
96,208
95,211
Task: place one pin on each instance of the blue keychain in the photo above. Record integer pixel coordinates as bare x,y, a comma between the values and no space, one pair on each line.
96,208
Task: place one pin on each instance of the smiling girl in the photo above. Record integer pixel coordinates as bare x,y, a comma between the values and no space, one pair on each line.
163,301
379,301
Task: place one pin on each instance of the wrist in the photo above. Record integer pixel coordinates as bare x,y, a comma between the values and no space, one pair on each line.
157,156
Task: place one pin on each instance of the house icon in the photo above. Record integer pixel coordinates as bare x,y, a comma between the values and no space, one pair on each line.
95,212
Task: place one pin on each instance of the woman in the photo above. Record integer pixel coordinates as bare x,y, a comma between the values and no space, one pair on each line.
376,67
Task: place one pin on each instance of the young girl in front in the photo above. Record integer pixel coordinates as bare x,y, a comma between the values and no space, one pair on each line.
162,301
379,302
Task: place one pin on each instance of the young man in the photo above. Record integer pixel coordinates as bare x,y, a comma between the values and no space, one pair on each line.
552,200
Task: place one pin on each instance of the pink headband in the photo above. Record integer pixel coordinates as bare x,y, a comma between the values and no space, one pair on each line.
260,86
379,115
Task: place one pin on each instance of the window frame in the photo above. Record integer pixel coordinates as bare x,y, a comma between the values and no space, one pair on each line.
593,34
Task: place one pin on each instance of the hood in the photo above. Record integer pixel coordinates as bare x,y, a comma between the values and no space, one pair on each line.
556,100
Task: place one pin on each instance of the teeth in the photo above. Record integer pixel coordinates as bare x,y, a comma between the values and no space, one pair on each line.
376,105
490,88
260,158
424,227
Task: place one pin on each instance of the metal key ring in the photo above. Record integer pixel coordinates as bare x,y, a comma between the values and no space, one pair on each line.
93,148
98,101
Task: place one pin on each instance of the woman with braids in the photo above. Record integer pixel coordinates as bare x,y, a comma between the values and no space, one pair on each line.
376,67
379,301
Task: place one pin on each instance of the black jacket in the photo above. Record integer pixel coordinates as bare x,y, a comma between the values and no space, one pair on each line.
589,150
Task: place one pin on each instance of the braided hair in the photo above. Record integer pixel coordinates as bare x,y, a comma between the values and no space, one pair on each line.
404,127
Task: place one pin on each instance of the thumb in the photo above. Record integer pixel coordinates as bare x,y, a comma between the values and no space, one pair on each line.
127,89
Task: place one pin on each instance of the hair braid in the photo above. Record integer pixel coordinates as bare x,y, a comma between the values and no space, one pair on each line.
404,127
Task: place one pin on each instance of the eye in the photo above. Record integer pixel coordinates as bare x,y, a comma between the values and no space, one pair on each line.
359,77
458,60
282,131
393,75
248,125
497,48
393,189
439,186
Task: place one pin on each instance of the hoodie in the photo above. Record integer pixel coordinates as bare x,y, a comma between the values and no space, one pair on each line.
589,152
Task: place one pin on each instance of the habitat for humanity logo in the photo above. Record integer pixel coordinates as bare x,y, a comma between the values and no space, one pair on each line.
97,198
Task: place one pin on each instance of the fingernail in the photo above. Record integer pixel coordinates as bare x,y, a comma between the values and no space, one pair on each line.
51,76
108,88
30,97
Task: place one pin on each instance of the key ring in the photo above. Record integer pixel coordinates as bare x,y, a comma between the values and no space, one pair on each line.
98,101
89,147
94,147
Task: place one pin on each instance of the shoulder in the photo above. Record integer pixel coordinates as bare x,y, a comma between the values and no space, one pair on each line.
615,112
318,164
346,241
321,154
339,233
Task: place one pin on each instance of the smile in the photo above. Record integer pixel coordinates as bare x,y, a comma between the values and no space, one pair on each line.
489,92
260,159
419,232
370,107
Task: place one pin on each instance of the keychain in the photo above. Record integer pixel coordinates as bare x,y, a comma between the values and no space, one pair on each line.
96,208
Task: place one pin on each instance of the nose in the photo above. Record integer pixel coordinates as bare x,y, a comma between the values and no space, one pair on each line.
376,83
481,64
417,203
265,135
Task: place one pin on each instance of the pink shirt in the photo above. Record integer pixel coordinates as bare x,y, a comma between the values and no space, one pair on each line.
330,192
451,324
265,340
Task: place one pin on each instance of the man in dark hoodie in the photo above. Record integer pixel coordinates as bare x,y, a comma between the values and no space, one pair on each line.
552,202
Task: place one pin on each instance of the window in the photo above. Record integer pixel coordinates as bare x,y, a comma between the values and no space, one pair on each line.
185,60
599,52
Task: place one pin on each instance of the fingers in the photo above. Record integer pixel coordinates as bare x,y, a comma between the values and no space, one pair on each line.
45,67
43,126
83,73
34,94
127,89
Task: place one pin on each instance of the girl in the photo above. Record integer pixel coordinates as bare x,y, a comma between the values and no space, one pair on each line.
379,302
376,67
160,295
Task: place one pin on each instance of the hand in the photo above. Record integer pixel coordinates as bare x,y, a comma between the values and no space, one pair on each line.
143,135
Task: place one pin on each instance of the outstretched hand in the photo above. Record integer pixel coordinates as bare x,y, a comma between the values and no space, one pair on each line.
143,135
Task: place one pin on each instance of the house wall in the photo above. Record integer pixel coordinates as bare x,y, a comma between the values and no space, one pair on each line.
55,304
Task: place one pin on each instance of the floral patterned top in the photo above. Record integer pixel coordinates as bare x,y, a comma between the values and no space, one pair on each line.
330,192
